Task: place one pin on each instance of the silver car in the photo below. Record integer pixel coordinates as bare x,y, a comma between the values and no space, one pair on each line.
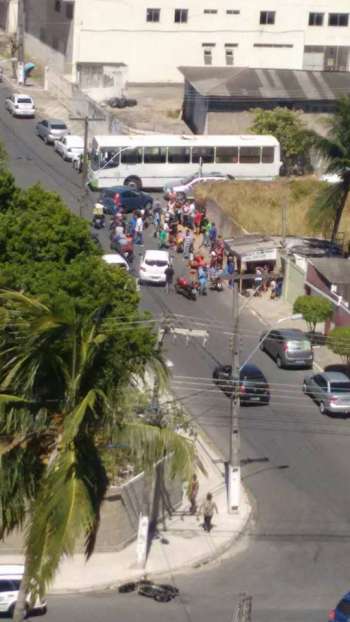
331,390
51,129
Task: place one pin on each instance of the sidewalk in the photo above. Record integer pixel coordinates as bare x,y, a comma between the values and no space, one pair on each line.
270,311
182,542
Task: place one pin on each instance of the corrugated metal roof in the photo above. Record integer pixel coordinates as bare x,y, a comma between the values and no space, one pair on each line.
335,269
248,83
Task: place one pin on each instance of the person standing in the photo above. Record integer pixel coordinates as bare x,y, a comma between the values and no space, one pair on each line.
230,270
208,508
169,278
192,493
213,234
188,242
139,230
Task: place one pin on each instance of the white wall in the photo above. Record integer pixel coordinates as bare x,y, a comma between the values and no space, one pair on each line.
108,31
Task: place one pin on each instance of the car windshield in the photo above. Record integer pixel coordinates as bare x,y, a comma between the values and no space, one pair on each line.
340,387
344,607
24,100
159,263
58,126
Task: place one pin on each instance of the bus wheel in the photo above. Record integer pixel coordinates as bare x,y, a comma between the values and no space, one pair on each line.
133,182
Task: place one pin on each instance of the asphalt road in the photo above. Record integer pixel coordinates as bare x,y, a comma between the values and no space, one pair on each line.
294,558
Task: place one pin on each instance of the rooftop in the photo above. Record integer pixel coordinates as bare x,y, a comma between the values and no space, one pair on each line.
335,269
283,84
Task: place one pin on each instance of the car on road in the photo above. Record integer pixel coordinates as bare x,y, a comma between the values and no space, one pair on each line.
69,146
130,199
342,611
153,266
116,260
51,129
10,581
187,185
331,391
20,105
289,347
253,386
162,593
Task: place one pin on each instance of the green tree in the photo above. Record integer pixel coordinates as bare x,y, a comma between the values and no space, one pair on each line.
288,127
335,149
59,387
314,309
338,341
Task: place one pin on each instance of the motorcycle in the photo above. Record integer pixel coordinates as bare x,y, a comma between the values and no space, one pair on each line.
215,283
187,288
98,222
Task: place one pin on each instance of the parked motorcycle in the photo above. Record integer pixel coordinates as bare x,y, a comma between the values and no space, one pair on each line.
216,284
187,288
98,222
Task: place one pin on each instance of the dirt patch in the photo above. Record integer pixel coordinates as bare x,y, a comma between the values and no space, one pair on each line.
258,206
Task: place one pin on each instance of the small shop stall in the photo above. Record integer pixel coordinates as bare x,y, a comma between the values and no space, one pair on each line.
251,252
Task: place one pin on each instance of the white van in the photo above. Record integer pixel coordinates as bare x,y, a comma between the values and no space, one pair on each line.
10,580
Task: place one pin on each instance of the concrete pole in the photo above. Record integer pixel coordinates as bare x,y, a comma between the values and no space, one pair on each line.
234,465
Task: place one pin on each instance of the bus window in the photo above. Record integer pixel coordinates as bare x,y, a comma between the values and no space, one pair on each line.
268,154
132,156
204,154
110,158
226,155
249,155
178,155
154,155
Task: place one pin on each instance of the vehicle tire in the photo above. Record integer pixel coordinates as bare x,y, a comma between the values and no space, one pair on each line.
262,347
133,182
163,598
11,611
279,362
323,409
126,588
46,141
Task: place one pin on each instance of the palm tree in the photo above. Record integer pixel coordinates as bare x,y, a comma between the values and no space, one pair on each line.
335,148
56,384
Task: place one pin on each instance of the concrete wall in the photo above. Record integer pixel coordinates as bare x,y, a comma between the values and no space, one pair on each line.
44,53
293,283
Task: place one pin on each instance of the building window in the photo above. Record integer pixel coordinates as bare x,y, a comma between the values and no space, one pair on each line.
338,19
267,17
232,12
69,10
229,59
57,6
181,16
208,57
153,15
316,19
210,11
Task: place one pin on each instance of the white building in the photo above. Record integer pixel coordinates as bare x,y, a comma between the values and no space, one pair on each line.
153,37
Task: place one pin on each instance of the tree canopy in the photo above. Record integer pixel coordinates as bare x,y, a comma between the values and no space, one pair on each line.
335,149
338,341
314,309
287,126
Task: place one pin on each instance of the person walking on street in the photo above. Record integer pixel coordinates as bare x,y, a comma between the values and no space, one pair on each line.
208,508
192,494
213,234
230,270
139,230
169,278
188,242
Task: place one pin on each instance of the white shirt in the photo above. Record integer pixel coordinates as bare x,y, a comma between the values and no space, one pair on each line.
139,224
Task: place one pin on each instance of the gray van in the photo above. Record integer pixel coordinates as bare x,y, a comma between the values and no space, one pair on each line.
289,347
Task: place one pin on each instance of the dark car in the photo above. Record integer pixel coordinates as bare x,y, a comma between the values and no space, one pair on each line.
121,102
289,347
162,593
253,386
342,611
130,199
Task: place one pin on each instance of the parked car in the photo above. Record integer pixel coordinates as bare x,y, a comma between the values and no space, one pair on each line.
331,391
121,102
289,347
10,581
69,146
115,259
253,386
342,611
153,266
130,199
162,593
188,184
51,129
20,105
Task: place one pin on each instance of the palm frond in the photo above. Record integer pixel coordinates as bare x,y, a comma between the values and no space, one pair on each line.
323,212
74,419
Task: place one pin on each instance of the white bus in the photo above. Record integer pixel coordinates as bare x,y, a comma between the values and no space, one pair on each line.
154,160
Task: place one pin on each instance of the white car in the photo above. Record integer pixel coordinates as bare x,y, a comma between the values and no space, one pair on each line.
20,105
10,580
115,259
69,146
153,266
187,185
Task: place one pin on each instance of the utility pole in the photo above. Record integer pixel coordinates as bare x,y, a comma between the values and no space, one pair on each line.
234,467
284,219
243,611
20,42
85,161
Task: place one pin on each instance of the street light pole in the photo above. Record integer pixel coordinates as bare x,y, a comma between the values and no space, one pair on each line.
85,163
20,42
234,467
